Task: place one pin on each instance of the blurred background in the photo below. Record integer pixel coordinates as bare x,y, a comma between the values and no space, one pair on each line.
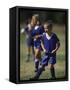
57,17
59,20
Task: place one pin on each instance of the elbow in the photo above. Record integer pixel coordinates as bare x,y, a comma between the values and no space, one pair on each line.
59,44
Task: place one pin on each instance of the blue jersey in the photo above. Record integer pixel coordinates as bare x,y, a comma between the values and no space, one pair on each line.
50,44
28,32
37,30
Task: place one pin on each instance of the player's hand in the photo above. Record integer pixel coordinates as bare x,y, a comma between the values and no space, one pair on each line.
35,37
53,51
44,51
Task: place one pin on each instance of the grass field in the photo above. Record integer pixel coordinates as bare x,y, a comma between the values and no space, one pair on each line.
27,69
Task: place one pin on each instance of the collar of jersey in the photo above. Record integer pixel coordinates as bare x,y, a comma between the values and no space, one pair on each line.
36,27
49,36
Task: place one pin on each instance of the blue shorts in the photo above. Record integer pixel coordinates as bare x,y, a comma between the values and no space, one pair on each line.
37,44
48,59
30,42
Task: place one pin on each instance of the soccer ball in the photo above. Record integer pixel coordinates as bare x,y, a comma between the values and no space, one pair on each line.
22,30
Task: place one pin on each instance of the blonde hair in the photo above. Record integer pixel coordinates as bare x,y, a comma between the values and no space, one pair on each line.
36,16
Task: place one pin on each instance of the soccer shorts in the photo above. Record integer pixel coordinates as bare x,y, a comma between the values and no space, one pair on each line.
30,42
48,59
37,44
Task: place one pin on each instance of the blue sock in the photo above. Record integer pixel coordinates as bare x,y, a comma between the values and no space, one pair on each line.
36,64
39,72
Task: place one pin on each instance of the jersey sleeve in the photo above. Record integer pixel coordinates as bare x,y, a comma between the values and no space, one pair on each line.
42,39
56,38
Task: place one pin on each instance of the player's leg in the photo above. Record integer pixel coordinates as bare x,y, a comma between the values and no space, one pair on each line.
32,48
52,68
39,72
28,48
52,71
37,57
41,68
28,53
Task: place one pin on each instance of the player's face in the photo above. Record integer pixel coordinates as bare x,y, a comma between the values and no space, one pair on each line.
47,28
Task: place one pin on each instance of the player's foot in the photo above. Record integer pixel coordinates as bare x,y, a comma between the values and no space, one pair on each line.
53,78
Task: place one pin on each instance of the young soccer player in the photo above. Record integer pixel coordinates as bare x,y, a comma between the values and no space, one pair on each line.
29,39
50,44
37,31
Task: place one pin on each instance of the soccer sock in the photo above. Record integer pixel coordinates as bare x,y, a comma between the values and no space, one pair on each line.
52,70
36,63
39,72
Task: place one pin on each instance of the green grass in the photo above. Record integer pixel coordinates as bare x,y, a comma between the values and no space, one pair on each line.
27,69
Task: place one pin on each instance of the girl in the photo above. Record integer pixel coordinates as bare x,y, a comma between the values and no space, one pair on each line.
37,32
29,39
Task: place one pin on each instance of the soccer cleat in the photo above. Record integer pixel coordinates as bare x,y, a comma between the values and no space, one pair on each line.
53,78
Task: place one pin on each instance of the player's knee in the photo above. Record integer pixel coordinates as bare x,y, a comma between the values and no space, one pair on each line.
37,54
51,66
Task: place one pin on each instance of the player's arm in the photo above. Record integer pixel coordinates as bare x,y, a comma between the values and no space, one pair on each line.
43,46
37,36
57,47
